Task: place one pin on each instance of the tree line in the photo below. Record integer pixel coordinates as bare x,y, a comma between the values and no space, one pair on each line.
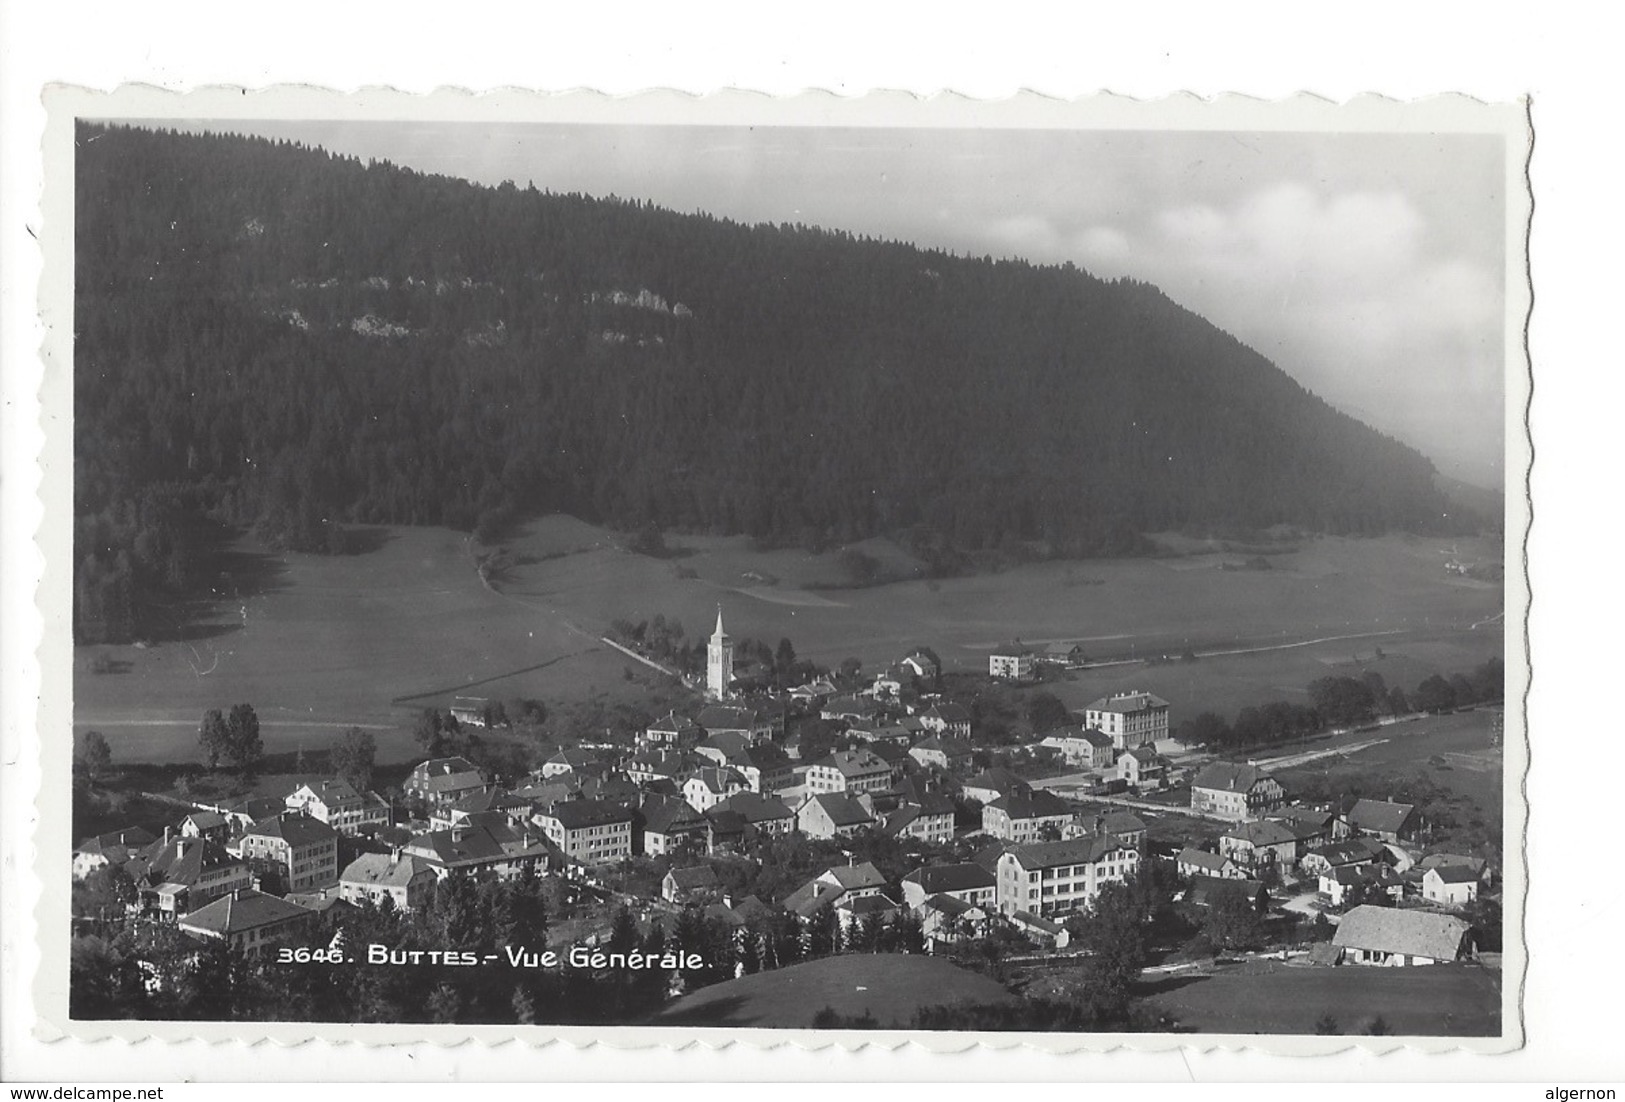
272,337
1343,702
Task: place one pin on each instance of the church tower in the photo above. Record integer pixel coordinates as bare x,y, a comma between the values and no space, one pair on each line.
719,661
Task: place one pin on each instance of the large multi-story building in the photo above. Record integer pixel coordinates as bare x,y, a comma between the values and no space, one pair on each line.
589,831
849,771
1057,878
1131,719
1230,791
337,803
305,851
1011,662
1024,818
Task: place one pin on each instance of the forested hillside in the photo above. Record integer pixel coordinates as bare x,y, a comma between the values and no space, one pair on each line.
272,336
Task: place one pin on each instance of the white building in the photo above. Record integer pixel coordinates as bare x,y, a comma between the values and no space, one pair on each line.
1132,719
1058,878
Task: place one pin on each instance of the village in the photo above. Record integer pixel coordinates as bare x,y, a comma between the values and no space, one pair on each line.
889,835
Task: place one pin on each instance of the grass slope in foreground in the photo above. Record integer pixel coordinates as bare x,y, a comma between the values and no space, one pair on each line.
889,987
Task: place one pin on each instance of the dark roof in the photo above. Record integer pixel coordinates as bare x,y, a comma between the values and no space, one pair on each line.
1005,650
812,897
1128,702
724,717
842,809
867,904
851,763
470,845
1202,888
1041,804
243,910
1379,816
1201,858
294,829
949,904
1353,851
699,876
717,778
1073,851
1228,776
967,876
578,814
1121,822
438,767
1454,874
1261,833
999,779
950,712
454,782
854,877
133,837
664,814
756,808
181,860
206,820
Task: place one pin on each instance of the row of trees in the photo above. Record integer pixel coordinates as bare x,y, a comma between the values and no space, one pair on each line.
466,355
1342,702
234,737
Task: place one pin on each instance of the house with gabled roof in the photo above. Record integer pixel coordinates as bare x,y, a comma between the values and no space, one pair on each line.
1353,853
663,824
340,805
1228,790
176,875
708,786
113,848
1193,862
1061,654
211,826
1026,818
942,752
990,784
756,724
658,761
1450,885
698,883
249,921
573,759
947,718
1384,819
1125,826
968,882
514,807
406,881
922,664
672,732
430,783
832,815
1259,842
762,815
1144,769
1399,937
1310,826
765,767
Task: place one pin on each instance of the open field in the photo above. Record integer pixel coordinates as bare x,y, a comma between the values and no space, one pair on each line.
891,987
1451,1000
341,640
367,639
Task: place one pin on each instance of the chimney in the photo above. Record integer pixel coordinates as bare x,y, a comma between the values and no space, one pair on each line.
166,835
394,855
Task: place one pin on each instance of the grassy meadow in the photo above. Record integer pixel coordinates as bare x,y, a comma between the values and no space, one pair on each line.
368,639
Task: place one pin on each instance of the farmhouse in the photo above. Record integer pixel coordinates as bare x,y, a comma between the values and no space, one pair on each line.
923,664
1011,662
1025,818
588,831
762,814
832,815
114,848
1258,843
1310,826
447,780
249,921
941,752
1062,654
208,825
1231,791
1203,889
1391,937
1193,862
664,823
1383,819
1344,884
1132,719
967,882
691,885
1354,853
1057,878
305,851
947,718
405,881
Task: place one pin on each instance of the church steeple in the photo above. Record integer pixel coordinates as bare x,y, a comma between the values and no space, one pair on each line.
719,662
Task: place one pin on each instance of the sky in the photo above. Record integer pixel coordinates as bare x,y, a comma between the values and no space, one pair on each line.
1370,267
